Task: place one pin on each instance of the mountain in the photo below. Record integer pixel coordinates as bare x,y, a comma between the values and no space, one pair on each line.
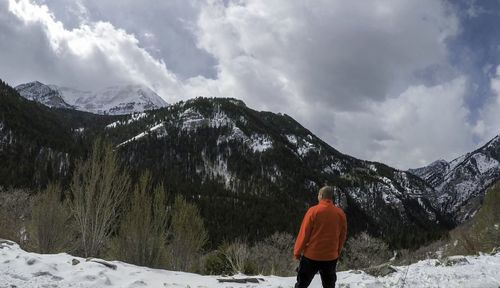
460,184
39,144
261,167
115,100
251,173
39,92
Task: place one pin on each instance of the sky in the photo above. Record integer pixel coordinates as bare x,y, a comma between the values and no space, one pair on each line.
401,82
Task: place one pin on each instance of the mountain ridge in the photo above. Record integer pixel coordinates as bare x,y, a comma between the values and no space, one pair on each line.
113,100
242,167
461,183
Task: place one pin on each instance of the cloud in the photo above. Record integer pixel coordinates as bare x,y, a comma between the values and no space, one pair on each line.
488,125
337,53
163,28
368,77
90,56
422,125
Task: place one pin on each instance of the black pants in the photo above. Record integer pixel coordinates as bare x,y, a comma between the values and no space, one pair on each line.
308,268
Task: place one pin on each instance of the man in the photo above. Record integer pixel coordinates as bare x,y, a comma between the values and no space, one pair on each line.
320,241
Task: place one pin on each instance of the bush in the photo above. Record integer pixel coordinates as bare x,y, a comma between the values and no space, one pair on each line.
364,251
13,214
188,236
50,226
238,255
273,256
98,189
142,236
215,263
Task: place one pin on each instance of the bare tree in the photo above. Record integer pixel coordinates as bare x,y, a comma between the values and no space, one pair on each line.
50,221
13,214
142,236
188,236
98,189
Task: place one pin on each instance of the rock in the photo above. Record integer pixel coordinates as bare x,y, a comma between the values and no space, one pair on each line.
31,261
241,280
102,262
380,270
75,262
455,260
5,243
42,273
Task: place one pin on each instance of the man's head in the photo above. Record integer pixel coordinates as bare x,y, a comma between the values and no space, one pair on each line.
326,193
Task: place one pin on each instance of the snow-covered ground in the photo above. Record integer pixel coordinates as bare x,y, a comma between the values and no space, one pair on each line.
19,268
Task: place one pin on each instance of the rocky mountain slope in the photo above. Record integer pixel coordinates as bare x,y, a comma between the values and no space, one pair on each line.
460,184
115,100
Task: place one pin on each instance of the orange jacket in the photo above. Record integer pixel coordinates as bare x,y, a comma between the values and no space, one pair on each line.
322,233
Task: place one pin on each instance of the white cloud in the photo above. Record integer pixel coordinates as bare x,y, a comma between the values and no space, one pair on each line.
338,53
347,70
488,125
89,56
423,124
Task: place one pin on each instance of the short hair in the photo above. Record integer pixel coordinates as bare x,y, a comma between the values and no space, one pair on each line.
327,192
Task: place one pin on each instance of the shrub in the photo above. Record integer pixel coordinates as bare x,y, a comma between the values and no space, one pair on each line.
142,236
50,227
273,256
13,214
364,251
215,263
238,256
97,191
188,236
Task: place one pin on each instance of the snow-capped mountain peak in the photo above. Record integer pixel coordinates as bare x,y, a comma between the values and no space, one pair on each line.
39,92
462,182
122,99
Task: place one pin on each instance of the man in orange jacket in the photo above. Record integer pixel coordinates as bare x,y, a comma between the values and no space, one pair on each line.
320,241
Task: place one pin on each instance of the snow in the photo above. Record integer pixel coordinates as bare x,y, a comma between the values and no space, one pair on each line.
260,143
485,163
303,146
112,100
22,269
115,100
133,118
156,128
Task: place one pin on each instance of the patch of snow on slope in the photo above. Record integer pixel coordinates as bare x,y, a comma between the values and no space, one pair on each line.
303,146
192,119
220,119
457,161
159,129
133,117
22,269
484,163
217,168
260,143
292,139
